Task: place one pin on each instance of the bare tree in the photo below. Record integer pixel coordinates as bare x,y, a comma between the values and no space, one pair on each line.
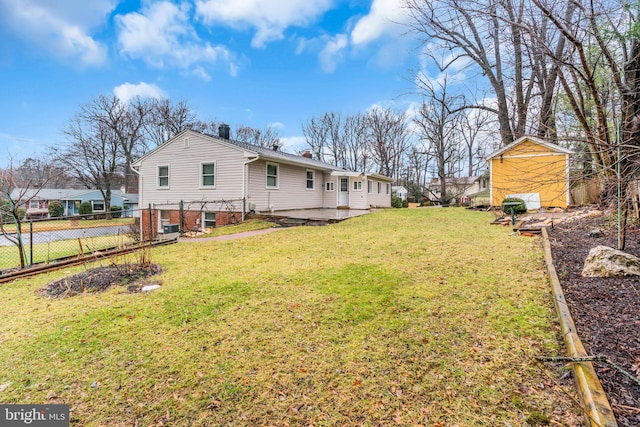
93,154
165,120
267,137
18,186
489,34
387,137
439,122
317,135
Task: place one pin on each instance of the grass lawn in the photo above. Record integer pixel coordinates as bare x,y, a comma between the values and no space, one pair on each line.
45,252
404,317
248,225
66,224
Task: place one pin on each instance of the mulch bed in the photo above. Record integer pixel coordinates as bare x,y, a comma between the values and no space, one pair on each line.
606,311
100,279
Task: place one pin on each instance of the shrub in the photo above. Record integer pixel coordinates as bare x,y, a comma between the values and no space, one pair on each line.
22,212
116,211
56,209
396,202
517,209
85,208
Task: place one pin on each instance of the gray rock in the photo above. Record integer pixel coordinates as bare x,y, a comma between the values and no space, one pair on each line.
604,261
595,233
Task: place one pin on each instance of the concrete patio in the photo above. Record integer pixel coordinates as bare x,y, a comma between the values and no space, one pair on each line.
329,215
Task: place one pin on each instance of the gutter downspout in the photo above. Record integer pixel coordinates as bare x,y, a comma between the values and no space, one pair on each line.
244,184
139,193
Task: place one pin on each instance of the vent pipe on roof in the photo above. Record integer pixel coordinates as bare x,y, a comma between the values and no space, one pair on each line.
223,131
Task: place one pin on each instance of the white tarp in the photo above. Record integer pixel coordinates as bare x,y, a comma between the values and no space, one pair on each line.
532,200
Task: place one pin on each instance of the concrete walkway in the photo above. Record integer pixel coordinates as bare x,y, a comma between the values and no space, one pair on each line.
229,236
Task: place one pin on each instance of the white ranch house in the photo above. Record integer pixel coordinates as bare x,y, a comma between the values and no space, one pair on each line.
228,176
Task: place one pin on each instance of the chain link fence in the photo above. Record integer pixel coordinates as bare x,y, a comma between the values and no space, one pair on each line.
43,241
50,240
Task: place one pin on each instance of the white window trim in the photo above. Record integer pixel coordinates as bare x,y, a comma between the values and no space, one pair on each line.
104,205
158,186
186,142
388,188
266,178
326,186
369,186
379,187
204,220
37,204
355,184
215,174
313,180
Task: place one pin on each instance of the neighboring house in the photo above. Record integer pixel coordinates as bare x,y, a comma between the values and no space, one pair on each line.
400,191
533,170
200,180
458,189
477,194
39,198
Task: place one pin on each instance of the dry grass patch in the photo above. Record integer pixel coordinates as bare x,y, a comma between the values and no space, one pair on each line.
405,317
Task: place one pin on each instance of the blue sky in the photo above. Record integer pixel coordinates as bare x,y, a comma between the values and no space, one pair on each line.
251,62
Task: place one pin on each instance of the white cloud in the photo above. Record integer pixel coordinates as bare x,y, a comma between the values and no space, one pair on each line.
332,53
161,35
62,27
383,19
127,91
294,143
276,125
270,18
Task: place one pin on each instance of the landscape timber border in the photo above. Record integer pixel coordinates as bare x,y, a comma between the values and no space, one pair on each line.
598,412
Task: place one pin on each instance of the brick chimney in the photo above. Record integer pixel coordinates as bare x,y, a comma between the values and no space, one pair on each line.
223,131
307,154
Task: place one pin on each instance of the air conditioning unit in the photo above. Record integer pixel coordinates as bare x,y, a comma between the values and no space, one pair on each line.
171,228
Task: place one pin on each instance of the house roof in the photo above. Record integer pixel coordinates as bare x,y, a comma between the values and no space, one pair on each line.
251,150
63,194
549,145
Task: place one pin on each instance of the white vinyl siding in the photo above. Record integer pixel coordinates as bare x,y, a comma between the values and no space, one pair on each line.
186,174
292,192
208,175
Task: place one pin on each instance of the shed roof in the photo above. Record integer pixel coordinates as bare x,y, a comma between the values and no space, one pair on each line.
549,145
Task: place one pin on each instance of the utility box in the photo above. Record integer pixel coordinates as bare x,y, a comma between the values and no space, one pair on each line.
171,228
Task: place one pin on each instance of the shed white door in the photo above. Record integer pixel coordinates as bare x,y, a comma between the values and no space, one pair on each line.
343,191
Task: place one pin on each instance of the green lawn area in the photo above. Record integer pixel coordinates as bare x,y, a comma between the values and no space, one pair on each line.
248,225
52,225
45,252
404,317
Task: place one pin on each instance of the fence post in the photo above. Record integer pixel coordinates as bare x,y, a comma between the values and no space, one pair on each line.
30,242
150,224
181,216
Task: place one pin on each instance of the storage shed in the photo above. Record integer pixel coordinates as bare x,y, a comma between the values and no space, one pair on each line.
533,170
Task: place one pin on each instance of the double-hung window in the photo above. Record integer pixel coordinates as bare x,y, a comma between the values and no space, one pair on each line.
208,175
379,187
272,175
357,185
310,180
163,176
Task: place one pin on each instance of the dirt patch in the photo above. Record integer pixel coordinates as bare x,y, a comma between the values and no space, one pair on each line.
606,311
100,279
